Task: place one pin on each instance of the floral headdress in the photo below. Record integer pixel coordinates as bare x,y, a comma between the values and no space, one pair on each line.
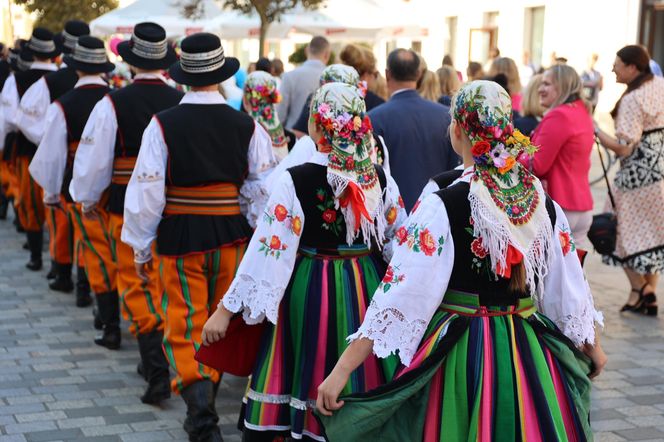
261,94
507,203
340,112
340,73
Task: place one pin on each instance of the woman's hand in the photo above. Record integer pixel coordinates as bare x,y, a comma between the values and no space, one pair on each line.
329,390
216,326
597,355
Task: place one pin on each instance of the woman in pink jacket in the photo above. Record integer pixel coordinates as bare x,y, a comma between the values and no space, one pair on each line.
565,138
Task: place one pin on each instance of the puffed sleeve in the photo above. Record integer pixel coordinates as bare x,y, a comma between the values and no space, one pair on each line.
265,270
253,193
146,193
566,299
48,165
428,189
395,215
32,109
414,283
93,165
302,151
9,100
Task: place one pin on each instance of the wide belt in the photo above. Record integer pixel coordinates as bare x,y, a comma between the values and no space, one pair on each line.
122,170
72,147
215,199
468,304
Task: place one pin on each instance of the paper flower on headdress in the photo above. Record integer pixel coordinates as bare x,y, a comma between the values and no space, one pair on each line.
261,94
340,73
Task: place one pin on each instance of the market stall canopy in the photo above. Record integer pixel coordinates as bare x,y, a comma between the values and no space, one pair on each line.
168,13
337,19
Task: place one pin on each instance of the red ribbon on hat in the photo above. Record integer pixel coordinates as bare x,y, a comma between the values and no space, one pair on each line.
513,257
354,196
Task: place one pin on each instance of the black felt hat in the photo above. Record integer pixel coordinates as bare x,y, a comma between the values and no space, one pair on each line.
89,56
42,44
147,48
20,60
202,61
66,40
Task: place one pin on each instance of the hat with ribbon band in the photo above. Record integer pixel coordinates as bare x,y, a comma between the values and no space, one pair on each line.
89,56
67,39
147,48
42,44
202,61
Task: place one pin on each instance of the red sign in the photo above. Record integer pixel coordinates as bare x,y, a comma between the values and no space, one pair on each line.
189,31
124,29
332,31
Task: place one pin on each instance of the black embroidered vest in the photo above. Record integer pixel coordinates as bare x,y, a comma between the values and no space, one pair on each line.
207,144
472,267
446,178
134,107
60,82
77,105
324,227
24,80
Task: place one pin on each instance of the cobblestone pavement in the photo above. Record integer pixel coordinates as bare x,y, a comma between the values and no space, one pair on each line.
55,384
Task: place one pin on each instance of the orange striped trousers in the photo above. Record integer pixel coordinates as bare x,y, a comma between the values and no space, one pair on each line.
194,285
29,201
141,302
60,234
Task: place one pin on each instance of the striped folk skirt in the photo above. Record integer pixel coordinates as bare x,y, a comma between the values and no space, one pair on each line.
325,302
480,374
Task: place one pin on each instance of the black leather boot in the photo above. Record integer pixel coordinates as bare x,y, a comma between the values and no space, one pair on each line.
62,281
155,367
53,271
4,205
201,422
17,222
83,298
141,370
109,313
35,244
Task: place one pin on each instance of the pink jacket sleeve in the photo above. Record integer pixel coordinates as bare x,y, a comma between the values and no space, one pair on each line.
550,136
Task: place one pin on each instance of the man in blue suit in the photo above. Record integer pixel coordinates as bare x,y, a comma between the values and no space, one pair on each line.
415,130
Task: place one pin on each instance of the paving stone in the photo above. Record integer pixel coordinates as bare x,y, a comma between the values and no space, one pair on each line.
30,427
642,434
148,436
611,425
106,430
129,418
47,436
36,417
91,412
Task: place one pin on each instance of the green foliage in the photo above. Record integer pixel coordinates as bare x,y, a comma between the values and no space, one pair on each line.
52,14
270,10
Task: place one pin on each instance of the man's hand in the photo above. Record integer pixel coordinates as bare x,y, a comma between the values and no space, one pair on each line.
143,270
90,212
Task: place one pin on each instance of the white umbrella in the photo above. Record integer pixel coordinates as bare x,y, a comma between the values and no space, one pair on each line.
167,13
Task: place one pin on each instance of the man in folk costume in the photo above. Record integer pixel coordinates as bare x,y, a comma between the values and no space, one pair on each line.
196,161
28,200
30,121
9,100
106,157
52,169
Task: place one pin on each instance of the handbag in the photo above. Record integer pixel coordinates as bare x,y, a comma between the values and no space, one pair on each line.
604,229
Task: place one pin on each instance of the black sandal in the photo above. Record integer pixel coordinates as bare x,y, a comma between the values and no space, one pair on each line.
649,307
639,302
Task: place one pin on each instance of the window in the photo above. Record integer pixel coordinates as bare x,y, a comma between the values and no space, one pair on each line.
450,41
534,34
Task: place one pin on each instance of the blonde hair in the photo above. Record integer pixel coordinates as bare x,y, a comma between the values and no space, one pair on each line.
569,85
379,86
362,59
428,85
507,67
530,105
449,80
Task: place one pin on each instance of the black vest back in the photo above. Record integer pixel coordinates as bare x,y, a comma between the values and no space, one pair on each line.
24,80
446,178
77,105
206,144
60,82
4,72
325,227
472,269
134,107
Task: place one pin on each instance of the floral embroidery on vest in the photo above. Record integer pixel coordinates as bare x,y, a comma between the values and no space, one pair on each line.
331,219
391,278
419,239
481,261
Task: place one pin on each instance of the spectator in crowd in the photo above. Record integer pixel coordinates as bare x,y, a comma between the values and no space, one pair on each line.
277,71
264,65
531,109
527,69
592,82
507,66
655,68
447,61
494,54
428,85
379,86
474,71
299,83
364,62
415,130
638,187
565,138
449,84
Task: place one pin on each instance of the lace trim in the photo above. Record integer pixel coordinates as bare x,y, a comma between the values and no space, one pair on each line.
281,399
255,198
257,299
390,330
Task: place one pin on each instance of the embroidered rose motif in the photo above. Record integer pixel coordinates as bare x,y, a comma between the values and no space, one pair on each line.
272,248
391,278
427,243
477,247
480,148
275,242
391,215
329,216
350,163
566,242
280,212
401,235
389,274
401,203
320,195
296,225
331,219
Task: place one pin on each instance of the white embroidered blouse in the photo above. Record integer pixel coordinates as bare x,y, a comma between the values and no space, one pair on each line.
397,318
267,266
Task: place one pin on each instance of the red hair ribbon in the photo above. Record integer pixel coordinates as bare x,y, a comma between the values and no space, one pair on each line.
513,257
354,196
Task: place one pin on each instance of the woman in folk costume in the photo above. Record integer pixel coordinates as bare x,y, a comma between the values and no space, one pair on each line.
492,318
259,99
311,268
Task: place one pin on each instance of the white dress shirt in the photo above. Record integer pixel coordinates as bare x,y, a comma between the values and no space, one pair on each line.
8,105
48,165
32,110
146,193
93,165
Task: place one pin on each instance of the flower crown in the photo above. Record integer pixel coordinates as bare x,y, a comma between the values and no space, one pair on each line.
259,96
343,129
